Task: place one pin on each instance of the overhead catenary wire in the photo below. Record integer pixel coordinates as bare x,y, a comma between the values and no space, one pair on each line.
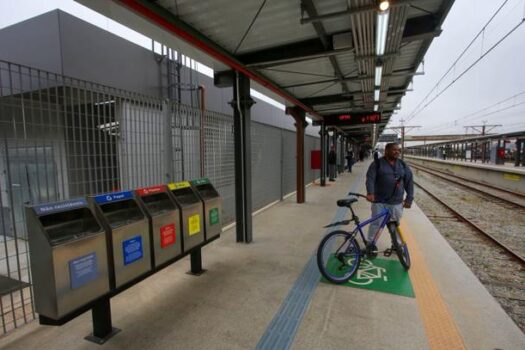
422,105
470,67
475,115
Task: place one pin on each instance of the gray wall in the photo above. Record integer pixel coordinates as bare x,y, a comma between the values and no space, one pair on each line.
34,42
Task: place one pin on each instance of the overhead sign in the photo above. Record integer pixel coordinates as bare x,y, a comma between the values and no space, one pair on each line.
350,119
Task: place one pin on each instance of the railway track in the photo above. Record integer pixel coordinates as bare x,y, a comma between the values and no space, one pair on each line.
515,255
496,263
496,193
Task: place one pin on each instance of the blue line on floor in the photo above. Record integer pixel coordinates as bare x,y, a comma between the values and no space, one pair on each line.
282,329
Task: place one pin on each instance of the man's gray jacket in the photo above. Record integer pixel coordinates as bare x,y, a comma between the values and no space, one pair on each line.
388,183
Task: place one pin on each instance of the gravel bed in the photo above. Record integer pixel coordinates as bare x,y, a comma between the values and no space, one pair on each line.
501,220
503,276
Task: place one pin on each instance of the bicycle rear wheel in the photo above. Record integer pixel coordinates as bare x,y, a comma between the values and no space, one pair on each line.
338,256
400,246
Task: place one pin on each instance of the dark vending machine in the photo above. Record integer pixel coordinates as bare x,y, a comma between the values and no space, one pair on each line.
164,221
128,235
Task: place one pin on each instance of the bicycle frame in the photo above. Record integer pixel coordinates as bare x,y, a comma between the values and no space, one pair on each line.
385,214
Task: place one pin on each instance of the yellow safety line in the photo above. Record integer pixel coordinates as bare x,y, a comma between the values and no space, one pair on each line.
441,330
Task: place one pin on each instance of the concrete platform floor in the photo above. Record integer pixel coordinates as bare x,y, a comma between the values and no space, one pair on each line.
233,303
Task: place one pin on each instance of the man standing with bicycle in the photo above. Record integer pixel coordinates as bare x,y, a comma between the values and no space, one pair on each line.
387,180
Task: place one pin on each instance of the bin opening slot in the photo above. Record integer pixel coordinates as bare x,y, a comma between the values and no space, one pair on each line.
158,203
186,196
207,191
69,225
122,212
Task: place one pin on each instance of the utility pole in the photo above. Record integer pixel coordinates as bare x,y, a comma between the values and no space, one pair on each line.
403,129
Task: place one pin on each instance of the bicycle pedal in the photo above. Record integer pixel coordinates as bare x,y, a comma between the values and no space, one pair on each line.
387,252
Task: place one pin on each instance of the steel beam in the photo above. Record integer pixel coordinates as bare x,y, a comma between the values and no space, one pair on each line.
323,154
241,105
300,124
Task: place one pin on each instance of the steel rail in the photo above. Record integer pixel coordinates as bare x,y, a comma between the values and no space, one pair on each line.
509,251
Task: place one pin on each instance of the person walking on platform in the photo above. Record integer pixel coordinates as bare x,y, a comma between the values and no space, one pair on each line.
387,180
350,160
332,158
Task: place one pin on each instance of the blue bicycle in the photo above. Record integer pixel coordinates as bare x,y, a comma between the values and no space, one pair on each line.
339,254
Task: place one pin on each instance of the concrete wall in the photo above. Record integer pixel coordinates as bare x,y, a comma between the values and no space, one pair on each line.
34,42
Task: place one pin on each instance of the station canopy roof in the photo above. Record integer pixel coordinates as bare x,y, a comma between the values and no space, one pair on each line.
320,55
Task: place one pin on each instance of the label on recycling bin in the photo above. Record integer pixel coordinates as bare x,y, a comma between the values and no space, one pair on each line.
167,235
132,249
49,208
194,224
214,216
112,197
145,191
83,270
176,185
199,182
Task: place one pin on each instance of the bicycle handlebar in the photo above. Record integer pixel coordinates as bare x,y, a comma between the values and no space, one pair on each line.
356,194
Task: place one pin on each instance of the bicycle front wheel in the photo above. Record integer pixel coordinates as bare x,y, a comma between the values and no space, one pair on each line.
338,256
400,246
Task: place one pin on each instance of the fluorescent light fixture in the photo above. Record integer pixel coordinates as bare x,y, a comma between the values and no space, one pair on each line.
375,108
104,102
381,32
376,95
379,72
271,101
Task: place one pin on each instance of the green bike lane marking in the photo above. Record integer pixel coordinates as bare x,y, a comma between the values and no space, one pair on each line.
383,275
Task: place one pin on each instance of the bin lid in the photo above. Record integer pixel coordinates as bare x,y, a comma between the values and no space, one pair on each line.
67,220
119,208
183,193
155,199
205,188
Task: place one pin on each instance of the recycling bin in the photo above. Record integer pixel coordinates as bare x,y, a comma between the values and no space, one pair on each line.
127,231
212,207
191,213
68,251
164,222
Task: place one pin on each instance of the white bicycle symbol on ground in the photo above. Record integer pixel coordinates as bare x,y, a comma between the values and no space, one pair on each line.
367,273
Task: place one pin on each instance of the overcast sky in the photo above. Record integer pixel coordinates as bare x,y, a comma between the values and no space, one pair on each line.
501,74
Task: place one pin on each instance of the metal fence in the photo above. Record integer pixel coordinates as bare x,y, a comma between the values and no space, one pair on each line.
62,138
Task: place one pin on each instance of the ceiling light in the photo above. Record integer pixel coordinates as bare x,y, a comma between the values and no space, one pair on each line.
381,32
376,95
375,108
379,71
384,5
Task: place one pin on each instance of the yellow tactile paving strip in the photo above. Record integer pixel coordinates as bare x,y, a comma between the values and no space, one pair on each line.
440,328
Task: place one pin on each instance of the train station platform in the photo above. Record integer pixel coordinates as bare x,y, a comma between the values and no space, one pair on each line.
506,167
504,176
269,294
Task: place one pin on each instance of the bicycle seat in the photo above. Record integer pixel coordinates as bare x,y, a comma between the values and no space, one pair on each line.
346,202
